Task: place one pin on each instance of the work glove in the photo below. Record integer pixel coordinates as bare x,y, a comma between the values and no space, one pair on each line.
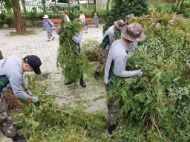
34,99
37,104
139,73
29,92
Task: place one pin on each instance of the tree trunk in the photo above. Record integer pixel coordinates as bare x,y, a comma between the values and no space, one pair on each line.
107,5
44,6
178,4
94,4
24,6
19,23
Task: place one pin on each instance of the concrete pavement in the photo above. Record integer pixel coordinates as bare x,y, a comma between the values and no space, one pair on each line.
37,44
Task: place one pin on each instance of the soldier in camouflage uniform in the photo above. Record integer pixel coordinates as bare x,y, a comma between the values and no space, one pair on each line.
108,39
116,65
11,74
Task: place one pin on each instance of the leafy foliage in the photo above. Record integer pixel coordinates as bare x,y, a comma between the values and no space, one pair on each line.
5,19
154,108
7,3
51,122
157,105
91,49
69,59
125,7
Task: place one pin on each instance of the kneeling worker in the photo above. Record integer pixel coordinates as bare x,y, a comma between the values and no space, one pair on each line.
11,74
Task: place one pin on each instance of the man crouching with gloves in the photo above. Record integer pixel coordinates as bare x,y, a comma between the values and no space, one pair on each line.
11,74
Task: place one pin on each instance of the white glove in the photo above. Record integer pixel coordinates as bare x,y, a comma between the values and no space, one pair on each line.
29,92
139,73
34,99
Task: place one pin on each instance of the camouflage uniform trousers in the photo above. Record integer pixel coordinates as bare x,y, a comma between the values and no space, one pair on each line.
113,107
6,120
101,59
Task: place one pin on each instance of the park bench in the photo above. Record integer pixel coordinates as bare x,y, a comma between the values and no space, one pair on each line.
89,20
56,22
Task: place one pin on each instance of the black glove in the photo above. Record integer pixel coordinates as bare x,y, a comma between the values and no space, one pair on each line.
37,104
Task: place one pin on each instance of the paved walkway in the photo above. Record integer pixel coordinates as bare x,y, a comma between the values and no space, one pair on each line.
37,44
92,97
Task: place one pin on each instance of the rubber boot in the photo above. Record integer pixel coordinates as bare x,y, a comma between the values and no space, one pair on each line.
18,138
82,83
97,75
111,128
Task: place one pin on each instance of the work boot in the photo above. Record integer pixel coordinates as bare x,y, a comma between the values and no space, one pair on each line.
82,83
111,128
97,75
18,138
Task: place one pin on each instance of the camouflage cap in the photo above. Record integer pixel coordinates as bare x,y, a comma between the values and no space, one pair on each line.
119,24
133,32
129,17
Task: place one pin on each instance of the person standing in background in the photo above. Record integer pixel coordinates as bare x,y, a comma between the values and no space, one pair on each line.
107,41
65,17
95,19
116,67
83,20
128,18
48,25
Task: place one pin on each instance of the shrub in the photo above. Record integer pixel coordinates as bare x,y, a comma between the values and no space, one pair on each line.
91,49
125,7
164,7
2,17
1,23
8,20
157,104
5,19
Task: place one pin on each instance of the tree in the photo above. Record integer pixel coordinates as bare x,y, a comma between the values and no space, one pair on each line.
121,8
19,23
24,5
14,4
44,6
179,4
